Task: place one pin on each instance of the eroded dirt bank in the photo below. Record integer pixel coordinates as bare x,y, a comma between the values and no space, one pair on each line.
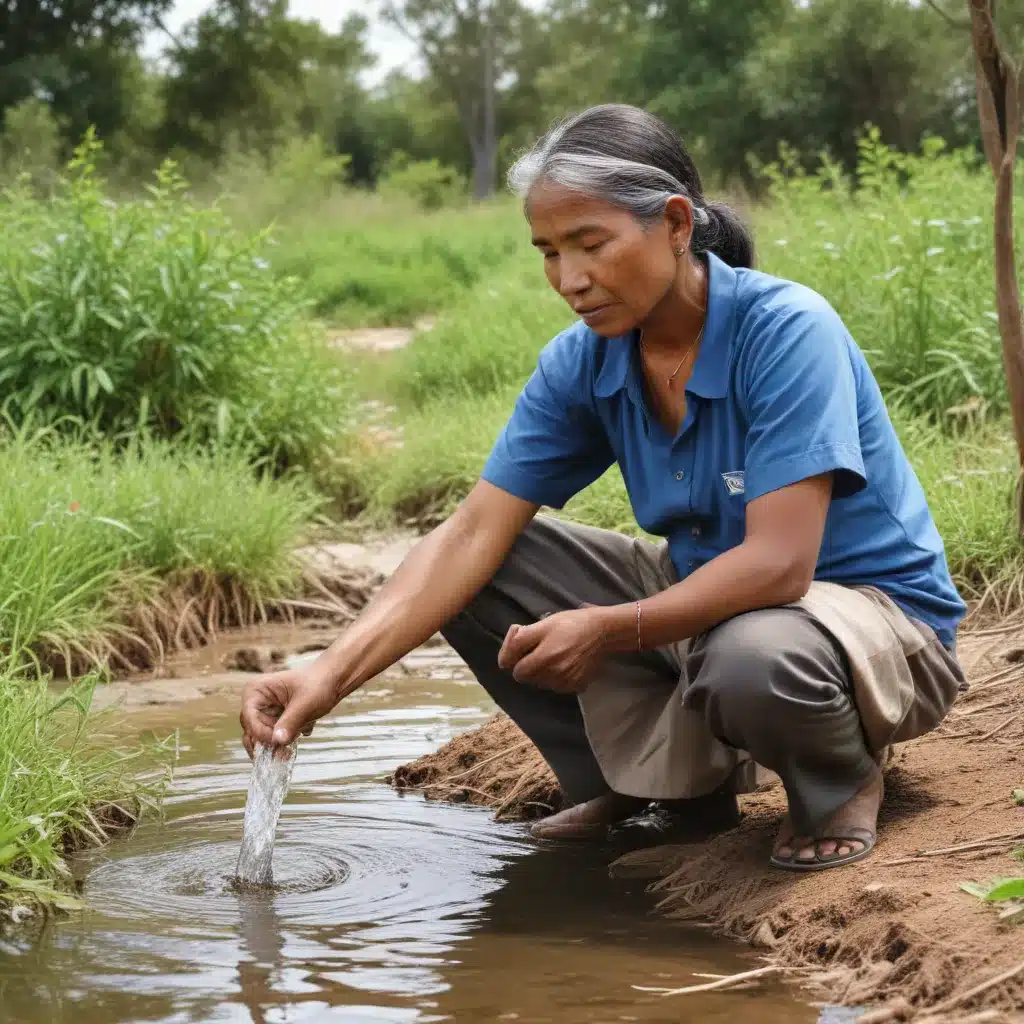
895,932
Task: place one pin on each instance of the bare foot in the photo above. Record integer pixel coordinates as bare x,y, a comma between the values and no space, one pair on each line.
857,817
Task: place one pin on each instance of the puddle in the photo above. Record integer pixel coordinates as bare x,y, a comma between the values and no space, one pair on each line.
387,907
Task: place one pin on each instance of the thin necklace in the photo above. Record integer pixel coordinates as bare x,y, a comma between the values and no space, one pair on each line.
696,341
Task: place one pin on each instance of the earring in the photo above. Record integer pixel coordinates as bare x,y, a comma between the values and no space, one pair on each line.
679,252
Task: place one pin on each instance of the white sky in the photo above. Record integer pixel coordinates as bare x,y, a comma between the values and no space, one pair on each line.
390,46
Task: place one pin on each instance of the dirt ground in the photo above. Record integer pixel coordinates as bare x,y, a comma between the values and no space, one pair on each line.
894,932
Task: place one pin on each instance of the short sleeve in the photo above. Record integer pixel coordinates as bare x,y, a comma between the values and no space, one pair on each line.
553,445
800,394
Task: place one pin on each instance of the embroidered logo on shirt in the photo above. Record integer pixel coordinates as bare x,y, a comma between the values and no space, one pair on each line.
734,481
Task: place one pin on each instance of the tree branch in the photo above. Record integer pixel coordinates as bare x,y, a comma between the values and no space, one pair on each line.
947,17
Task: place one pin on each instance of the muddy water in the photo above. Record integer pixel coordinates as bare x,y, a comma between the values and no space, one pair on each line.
387,907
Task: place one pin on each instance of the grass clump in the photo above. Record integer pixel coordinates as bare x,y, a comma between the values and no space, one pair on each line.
92,534
904,254
485,343
366,265
57,789
158,314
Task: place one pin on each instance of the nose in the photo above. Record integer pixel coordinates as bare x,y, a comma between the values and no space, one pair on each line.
573,279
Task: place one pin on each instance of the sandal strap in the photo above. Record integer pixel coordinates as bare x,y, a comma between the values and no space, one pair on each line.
851,834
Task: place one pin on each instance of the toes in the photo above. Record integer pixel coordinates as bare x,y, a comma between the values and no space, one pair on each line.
807,853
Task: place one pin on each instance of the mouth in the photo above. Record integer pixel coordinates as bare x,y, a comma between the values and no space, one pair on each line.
593,311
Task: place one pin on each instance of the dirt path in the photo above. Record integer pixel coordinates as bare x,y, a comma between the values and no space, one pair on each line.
896,931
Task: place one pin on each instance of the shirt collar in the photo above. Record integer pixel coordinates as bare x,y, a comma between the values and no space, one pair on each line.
710,377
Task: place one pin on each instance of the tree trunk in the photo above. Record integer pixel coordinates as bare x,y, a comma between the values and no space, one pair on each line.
998,90
485,147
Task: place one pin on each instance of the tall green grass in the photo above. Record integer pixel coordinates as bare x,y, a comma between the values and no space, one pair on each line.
58,789
904,253
366,263
90,532
157,313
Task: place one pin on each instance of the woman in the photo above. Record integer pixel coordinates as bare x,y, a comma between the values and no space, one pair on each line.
799,615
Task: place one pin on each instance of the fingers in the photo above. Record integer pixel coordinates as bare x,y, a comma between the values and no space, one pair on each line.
519,641
298,716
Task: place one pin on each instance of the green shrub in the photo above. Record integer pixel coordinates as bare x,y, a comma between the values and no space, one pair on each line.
427,183
30,144
157,313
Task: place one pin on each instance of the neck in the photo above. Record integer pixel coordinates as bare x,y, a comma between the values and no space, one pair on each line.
677,319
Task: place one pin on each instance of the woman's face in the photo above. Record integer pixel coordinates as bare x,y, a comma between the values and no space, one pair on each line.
610,268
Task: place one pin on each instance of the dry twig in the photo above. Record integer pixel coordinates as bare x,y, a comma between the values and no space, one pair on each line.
712,986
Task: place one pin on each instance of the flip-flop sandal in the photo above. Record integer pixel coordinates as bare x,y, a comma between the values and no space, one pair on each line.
835,860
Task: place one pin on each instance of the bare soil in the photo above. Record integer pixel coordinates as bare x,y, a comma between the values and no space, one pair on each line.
894,931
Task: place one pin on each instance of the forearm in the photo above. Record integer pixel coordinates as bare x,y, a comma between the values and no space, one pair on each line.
755,574
438,578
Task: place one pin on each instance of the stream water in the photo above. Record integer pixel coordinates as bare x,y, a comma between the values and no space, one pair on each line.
386,907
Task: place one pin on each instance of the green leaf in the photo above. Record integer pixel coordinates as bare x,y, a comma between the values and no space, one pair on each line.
1018,797
104,378
1012,889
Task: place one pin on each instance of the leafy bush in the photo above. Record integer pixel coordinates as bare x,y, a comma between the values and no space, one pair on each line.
157,314
428,183
30,144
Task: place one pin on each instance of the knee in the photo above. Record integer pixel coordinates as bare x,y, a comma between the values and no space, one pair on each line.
761,658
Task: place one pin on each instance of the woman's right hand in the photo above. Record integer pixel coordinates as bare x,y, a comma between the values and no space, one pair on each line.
278,707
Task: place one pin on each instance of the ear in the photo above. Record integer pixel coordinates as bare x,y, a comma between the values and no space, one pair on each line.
679,221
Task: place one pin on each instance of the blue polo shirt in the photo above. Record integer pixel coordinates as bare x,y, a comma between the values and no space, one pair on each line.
779,392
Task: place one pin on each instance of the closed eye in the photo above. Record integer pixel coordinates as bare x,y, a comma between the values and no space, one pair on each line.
596,247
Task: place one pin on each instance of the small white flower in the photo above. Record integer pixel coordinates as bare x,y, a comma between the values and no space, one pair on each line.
935,250
782,241
895,239
890,274
821,223
936,223
830,247
992,315
916,222
877,216
260,264
971,222
61,238
234,286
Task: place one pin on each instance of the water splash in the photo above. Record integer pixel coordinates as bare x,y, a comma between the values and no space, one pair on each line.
268,784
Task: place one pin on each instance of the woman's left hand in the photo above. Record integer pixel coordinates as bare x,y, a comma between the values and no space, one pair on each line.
559,653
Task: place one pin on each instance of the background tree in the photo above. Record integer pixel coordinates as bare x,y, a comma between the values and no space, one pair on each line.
469,48
77,55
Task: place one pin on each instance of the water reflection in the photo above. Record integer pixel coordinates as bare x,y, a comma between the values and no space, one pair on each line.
389,908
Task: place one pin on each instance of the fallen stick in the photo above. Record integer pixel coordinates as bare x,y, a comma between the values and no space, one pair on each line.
945,851
711,986
994,677
998,729
963,997
980,710
487,760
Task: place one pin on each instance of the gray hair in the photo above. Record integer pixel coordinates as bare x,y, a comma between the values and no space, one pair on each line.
635,161
641,189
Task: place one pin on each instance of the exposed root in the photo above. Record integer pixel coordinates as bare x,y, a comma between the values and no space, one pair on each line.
492,766
188,610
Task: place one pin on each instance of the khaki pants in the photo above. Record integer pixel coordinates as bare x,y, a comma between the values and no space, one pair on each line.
809,691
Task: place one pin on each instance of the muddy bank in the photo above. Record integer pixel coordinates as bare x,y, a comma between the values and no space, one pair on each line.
895,932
